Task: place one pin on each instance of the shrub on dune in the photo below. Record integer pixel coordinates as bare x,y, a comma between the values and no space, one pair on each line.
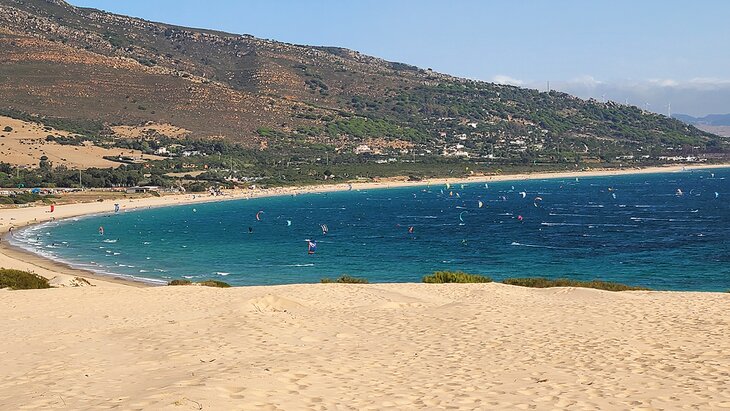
214,283
345,279
539,282
440,277
21,280
206,283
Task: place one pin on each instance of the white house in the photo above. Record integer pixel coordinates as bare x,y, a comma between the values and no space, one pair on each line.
362,149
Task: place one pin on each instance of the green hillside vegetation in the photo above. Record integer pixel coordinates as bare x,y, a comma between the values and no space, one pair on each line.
279,114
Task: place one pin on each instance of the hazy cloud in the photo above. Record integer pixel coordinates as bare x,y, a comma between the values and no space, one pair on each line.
696,96
586,81
502,79
664,82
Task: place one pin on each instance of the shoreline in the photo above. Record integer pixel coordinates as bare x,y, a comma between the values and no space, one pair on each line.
12,256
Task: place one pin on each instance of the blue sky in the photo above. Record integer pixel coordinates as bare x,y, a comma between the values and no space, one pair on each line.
649,53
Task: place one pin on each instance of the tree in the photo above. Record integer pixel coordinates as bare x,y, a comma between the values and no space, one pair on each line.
44,164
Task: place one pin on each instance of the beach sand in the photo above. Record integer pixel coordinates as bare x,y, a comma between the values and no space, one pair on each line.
346,346
360,347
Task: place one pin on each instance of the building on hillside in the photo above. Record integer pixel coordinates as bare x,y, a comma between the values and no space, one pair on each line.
362,149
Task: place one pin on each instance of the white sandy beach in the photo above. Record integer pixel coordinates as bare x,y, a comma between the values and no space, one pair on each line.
359,347
342,346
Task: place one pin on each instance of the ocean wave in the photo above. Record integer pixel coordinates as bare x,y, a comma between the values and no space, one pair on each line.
515,243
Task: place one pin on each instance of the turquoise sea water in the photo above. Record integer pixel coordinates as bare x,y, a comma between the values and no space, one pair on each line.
634,229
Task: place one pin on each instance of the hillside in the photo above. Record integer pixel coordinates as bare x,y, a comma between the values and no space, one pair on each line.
94,73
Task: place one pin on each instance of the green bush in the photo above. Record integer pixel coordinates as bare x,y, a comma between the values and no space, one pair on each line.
440,277
21,280
539,282
214,283
206,283
345,279
197,187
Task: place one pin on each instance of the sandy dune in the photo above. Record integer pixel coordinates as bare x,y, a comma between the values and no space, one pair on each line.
359,347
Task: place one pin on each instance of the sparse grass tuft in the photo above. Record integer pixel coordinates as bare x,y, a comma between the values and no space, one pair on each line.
440,277
345,279
21,280
180,282
539,282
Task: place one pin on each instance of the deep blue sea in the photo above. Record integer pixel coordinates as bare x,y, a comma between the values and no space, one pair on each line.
667,231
